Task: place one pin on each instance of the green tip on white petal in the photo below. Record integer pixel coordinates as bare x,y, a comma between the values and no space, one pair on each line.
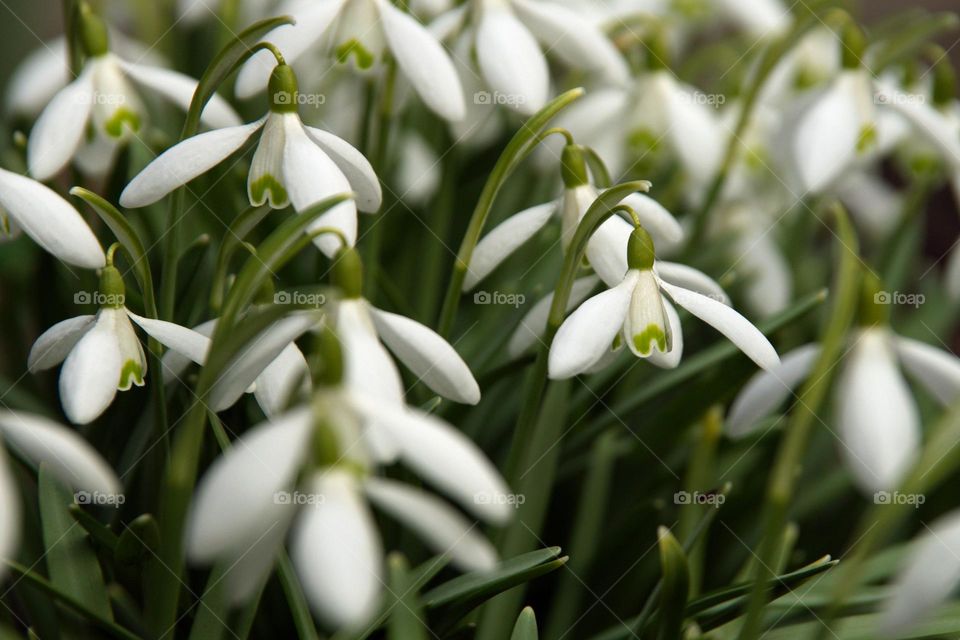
651,336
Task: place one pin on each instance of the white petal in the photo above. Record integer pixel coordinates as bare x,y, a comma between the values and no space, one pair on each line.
874,205
179,89
255,357
235,502
534,323
695,133
247,574
441,527
928,575
671,358
443,456
937,370
337,552
185,341
588,333
367,365
761,18
57,134
133,361
91,373
511,60
926,121
96,155
10,513
56,343
50,220
646,328
878,421
278,383
660,223
734,326
312,20
424,61
183,162
767,390
572,38
607,250
354,165
174,364
681,275
769,279
265,179
69,457
428,356
504,239
37,78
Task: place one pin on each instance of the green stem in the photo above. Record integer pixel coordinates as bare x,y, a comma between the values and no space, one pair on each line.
378,159
790,454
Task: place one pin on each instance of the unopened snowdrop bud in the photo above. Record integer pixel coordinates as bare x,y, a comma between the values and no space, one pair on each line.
93,32
348,272
283,89
573,167
874,305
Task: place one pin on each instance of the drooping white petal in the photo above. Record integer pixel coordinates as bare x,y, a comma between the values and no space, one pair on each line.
10,514
767,390
174,364
179,89
878,421
247,573
588,333
312,20
424,62
428,356
255,357
607,250
937,370
646,328
367,365
59,129
769,279
37,78
133,368
354,165
572,38
440,526
534,323
511,60
50,220
192,12
237,499
96,155
265,181
762,18
933,126
91,373
587,120
337,552
184,341
278,383
872,202
681,275
183,162
55,343
504,239
731,324
928,575
671,358
660,223
70,458
443,456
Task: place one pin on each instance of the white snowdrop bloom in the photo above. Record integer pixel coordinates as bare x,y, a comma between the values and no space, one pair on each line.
103,95
101,353
293,164
312,471
606,250
877,418
48,219
928,575
418,176
761,18
66,455
636,312
364,30
195,11
809,65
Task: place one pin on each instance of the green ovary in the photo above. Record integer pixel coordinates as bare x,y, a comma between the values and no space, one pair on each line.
361,53
868,138
643,140
267,183
652,334
122,116
132,373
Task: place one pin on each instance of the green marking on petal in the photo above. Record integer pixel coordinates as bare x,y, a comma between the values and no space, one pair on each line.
807,77
362,55
643,141
122,116
867,139
264,184
617,341
653,334
132,373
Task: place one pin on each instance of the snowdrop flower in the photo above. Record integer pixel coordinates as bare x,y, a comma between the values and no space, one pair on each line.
192,12
364,30
579,193
761,18
103,95
877,418
48,219
313,471
101,353
293,164
635,312
67,456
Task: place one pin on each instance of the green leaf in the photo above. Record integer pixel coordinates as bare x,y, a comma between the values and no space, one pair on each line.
406,617
71,562
675,578
526,627
139,541
243,224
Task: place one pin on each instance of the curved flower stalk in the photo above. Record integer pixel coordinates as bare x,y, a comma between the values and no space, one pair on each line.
877,418
48,219
635,312
364,30
101,353
102,95
293,164
313,471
